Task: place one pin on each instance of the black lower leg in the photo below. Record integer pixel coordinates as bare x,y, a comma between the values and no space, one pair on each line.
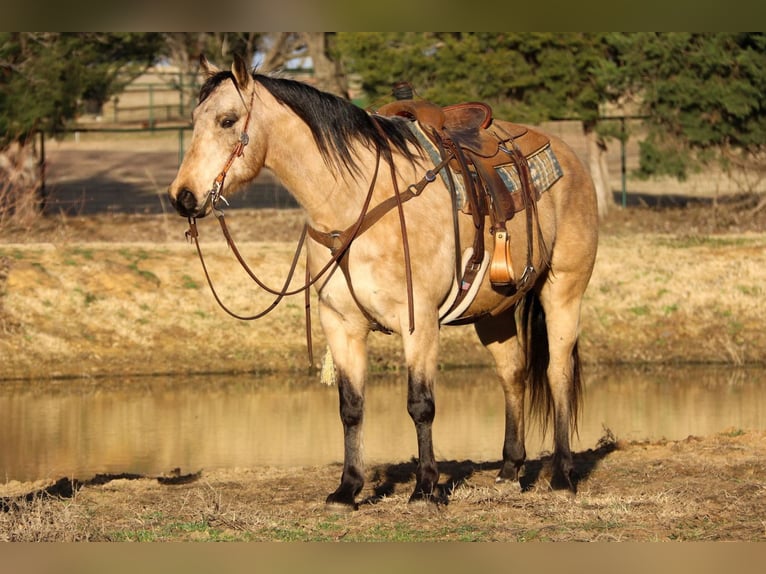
563,466
352,415
514,453
420,406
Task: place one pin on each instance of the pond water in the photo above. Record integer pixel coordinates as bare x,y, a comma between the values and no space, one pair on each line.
79,428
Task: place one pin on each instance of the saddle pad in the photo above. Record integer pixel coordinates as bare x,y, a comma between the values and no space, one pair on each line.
543,167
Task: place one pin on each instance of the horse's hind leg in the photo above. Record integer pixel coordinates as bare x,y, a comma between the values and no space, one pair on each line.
498,335
349,350
561,299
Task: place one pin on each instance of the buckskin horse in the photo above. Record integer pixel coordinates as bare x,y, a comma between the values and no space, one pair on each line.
414,240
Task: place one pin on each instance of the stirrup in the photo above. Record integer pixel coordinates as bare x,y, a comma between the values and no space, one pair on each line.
501,266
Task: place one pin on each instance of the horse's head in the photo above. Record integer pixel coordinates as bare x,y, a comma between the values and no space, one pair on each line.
215,157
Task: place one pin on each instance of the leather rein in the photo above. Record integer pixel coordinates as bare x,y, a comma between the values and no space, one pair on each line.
338,242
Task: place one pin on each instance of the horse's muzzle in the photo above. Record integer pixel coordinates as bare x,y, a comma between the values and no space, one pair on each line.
185,203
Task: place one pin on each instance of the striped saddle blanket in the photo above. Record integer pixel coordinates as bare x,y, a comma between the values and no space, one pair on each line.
544,168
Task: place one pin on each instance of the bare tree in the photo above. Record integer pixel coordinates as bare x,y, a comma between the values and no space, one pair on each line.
183,50
599,170
286,46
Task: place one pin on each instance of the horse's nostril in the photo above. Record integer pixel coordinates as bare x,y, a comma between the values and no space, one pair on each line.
186,203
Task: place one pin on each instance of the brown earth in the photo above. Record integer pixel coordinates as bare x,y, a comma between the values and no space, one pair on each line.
100,295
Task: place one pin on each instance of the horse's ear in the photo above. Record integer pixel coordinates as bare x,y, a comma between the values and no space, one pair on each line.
241,71
207,68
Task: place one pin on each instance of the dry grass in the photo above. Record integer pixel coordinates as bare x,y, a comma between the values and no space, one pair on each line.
678,298
141,307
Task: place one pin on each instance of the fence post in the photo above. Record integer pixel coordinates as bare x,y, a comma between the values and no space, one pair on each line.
622,162
151,107
181,92
43,191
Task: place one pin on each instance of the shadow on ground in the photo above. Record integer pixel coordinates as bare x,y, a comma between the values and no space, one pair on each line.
68,487
456,473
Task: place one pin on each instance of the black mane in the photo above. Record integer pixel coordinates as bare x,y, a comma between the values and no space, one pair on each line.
213,82
335,123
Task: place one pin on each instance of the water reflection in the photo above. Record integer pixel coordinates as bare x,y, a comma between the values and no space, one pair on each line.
151,425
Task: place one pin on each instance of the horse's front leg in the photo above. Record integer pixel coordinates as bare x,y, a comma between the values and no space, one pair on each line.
421,350
348,345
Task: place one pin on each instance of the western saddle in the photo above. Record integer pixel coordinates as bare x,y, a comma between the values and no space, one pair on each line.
477,146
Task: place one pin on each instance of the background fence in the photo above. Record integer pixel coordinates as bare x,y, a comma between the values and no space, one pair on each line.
128,170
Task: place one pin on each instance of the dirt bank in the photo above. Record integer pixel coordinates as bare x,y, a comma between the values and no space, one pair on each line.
110,295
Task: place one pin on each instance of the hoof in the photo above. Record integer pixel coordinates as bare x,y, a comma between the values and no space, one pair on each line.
339,502
564,481
432,496
509,473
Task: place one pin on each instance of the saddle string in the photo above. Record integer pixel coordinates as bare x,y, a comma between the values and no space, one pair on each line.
529,196
475,262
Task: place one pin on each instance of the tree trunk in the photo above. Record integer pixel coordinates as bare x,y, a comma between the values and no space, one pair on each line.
327,73
596,151
185,48
19,185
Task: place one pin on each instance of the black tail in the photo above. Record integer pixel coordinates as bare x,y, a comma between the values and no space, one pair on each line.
533,333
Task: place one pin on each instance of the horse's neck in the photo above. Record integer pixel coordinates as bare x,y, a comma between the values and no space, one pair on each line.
331,198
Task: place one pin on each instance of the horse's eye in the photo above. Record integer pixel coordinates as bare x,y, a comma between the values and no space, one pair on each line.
228,122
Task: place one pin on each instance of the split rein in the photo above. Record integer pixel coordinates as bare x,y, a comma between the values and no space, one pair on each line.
337,241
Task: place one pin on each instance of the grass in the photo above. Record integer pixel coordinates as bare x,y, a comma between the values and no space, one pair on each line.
188,283
714,241
164,532
750,290
640,310
644,289
85,253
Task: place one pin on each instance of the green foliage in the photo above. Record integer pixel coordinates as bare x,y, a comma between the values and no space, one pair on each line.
702,94
525,76
46,76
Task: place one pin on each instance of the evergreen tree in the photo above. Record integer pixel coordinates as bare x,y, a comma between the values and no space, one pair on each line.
703,95
46,76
